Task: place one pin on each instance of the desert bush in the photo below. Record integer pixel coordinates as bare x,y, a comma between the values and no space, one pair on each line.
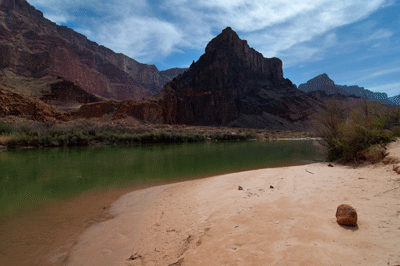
347,135
327,123
396,131
5,129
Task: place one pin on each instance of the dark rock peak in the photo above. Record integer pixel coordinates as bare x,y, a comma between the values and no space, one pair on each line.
316,83
234,85
323,76
228,40
226,37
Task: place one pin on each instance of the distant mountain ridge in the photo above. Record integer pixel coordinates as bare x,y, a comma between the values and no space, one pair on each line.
324,83
395,99
33,46
173,72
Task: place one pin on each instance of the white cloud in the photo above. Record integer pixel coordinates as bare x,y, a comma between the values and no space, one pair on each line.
59,19
146,30
310,25
252,15
142,38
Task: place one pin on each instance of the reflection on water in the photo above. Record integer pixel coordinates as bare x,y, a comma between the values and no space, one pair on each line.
31,177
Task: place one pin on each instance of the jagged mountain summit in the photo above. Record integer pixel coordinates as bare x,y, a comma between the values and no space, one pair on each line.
32,46
320,82
234,85
324,83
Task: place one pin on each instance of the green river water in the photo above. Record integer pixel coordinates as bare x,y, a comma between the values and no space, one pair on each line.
34,176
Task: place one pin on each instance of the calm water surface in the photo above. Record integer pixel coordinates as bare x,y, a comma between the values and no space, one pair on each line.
31,177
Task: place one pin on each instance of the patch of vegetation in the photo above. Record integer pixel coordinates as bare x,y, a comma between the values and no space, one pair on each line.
349,133
5,129
39,134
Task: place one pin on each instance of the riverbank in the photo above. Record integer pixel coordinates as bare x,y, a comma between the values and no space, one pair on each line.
282,216
29,134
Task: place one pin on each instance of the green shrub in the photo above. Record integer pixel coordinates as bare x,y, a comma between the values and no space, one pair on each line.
396,131
348,135
5,129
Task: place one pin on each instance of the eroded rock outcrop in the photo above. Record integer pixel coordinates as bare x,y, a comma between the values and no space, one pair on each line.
15,104
149,110
64,91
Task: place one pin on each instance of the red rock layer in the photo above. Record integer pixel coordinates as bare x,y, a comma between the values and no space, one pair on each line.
33,46
12,103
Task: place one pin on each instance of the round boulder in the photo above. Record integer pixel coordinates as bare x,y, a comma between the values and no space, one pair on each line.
346,215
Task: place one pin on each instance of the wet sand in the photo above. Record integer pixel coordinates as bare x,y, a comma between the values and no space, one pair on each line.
211,222
45,234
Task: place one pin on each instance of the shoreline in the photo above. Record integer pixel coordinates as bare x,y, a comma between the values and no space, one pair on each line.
210,222
91,133
32,241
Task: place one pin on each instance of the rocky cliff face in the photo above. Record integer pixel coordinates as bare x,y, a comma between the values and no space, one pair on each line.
32,46
234,85
324,83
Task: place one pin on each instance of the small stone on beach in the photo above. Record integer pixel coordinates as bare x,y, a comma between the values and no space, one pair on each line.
346,215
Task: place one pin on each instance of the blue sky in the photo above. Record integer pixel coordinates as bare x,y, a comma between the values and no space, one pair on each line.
354,42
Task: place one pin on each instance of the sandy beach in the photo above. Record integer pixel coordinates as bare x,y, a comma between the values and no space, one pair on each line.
283,216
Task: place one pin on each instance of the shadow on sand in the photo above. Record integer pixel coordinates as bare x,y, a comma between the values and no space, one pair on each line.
351,228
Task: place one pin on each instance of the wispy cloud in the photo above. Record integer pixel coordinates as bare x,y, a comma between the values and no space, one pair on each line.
364,75
140,37
385,72
379,34
306,52
59,19
148,30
